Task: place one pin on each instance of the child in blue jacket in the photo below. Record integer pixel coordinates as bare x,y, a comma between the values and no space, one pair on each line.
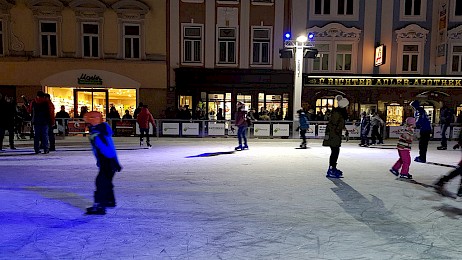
106,159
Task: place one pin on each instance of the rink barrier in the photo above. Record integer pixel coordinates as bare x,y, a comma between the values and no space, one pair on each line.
225,128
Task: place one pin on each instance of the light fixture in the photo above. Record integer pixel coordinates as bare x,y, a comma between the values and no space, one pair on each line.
302,38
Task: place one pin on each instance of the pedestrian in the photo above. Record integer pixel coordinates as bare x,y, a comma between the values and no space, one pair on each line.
365,127
42,118
446,118
439,185
62,118
377,123
333,135
404,150
304,125
51,134
106,160
241,123
424,125
114,116
144,118
127,115
7,120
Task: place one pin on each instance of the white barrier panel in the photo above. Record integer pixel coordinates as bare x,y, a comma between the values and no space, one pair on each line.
190,128
216,128
322,130
170,128
353,130
137,129
261,129
437,132
281,130
311,131
455,132
395,131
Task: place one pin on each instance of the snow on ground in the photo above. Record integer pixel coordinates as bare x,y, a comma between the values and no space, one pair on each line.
198,199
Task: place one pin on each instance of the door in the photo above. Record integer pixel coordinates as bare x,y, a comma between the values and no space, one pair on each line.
93,99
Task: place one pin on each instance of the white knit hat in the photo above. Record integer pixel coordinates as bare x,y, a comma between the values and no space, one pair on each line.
342,102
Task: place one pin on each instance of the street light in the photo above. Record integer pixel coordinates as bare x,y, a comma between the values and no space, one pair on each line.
303,48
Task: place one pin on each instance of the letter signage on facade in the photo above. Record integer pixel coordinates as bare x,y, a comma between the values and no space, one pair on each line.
85,79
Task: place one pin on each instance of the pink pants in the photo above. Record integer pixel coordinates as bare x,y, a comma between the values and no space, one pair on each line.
403,162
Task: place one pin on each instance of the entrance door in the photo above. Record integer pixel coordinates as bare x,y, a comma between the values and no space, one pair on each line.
93,99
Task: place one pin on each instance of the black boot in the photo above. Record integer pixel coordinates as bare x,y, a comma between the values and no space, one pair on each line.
96,209
439,185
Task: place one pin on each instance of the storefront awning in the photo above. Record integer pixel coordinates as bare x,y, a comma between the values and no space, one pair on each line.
89,78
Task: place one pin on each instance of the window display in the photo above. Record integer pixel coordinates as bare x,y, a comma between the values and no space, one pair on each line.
394,115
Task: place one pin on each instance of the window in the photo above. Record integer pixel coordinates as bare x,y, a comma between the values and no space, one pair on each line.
323,105
261,46
456,59
321,63
90,40
458,7
192,44
410,58
334,10
227,45
131,38
413,10
1,38
48,39
455,13
343,58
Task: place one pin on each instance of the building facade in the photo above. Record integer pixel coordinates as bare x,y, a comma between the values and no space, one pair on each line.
89,53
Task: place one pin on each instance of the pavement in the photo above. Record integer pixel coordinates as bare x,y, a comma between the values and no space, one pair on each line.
197,198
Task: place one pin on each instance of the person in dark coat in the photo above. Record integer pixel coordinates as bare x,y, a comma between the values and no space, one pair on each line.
365,126
333,137
42,117
106,160
51,134
62,117
241,123
7,120
446,118
422,123
114,116
144,118
304,125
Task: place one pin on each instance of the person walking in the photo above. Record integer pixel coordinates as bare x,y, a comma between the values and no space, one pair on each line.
365,127
446,118
304,125
422,123
333,136
439,185
106,160
241,123
42,118
7,120
404,150
51,134
377,123
144,118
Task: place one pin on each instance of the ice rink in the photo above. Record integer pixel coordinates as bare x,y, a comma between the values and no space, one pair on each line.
198,199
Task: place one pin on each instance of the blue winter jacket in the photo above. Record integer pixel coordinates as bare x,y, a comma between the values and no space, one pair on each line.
103,147
304,124
422,121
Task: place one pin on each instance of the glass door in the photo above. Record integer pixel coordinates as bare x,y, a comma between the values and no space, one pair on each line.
91,100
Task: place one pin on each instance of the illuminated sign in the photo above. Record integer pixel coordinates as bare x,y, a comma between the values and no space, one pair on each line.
380,55
389,81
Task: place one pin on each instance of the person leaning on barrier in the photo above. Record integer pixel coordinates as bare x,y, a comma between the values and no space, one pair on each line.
62,118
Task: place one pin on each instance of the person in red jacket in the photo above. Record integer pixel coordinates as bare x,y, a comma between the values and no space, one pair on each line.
144,118
42,118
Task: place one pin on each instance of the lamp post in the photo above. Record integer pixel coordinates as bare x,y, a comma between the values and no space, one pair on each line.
302,47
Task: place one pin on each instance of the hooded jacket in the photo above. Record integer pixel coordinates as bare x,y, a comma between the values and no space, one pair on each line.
103,147
422,121
144,118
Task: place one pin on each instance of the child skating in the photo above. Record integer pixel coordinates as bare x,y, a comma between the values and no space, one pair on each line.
106,159
404,150
304,124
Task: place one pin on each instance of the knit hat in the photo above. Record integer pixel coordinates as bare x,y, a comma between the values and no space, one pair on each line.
410,121
342,102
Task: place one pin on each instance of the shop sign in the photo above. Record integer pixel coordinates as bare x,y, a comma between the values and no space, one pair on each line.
311,131
76,126
190,128
380,55
261,129
216,128
322,130
391,81
455,132
281,130
125,128
170,128
84,79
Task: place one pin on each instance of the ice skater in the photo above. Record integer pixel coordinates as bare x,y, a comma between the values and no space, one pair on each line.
143,118
241,122
365,126
304,124
422,123
404,150
106,159
439,185
333,137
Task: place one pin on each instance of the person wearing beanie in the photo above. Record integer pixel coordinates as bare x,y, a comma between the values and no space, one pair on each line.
422,123
404,150
333,136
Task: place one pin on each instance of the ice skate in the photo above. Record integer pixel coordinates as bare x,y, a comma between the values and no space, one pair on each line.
245,147
405,176
334,173
238,148
96,210
148,144
418,159
395,172
441,148
141,142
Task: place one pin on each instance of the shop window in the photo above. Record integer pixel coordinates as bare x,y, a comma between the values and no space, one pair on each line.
90,40
456,59
395,113
1,38
324,106
261,45
62,97
430,110
413,10
48,39
132,43
219,106
227,42
192,43
122,99
343,58
334,10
